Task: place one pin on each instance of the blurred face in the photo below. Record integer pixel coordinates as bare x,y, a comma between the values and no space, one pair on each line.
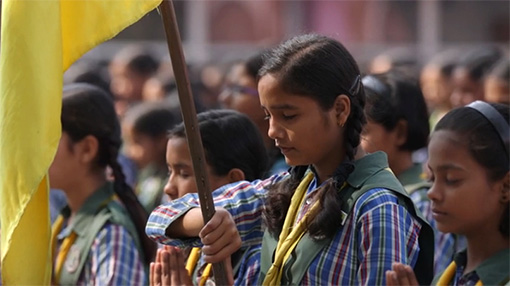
464,201
436,87
144,149
181,178
497,91
240,94
465,89
126,85
64,166
304,132
376,138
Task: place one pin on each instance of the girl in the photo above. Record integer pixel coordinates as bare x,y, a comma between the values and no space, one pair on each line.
397,124
469,74
240,93
469,162
97,239
145,128
234,151
339,216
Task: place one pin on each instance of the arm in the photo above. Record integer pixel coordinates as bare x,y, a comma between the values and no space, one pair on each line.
182,218
114,259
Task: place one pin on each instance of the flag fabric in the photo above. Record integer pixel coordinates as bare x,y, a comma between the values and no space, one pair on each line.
40,39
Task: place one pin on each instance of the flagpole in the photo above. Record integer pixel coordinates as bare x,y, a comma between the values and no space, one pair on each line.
189,116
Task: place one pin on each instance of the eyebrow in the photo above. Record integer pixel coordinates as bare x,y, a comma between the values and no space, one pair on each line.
447,167
282,106
179,165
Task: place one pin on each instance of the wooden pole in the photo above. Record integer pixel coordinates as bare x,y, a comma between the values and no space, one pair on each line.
189,116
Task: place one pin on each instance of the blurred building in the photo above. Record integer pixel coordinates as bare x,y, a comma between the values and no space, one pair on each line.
223,30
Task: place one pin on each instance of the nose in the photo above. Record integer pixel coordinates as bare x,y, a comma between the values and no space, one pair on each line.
170,187
275,131
434,193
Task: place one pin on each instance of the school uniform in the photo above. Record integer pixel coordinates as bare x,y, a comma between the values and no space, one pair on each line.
493,271
378,229
99,246
149,189
446,244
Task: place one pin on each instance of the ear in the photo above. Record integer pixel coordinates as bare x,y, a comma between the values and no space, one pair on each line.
88,149
401,132
505,189
342,108
235,175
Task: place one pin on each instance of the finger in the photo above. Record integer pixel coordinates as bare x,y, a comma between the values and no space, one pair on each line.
151,274
222,248
391,278
174,268
165,268
410,275
402,278
157,274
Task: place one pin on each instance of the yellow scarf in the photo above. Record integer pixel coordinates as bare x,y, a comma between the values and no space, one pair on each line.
64,249
448,275
191,263
290,236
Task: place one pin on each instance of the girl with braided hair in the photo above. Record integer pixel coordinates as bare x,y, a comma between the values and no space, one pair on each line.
98,238
339,216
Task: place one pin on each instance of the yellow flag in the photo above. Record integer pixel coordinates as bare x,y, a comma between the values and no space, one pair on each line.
40,39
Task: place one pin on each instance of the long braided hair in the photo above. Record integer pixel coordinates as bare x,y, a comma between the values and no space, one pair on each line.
322,69
88,110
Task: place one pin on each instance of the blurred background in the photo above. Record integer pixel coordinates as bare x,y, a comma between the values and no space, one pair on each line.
220,31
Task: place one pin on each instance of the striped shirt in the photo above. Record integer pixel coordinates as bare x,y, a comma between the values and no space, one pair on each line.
378,232
113,259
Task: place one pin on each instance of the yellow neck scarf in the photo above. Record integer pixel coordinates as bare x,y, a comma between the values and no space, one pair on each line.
191,263
448,275
290,236
64,248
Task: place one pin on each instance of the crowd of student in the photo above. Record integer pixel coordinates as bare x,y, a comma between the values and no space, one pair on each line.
322,174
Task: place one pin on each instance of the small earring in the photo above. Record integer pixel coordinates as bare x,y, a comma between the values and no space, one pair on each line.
342,124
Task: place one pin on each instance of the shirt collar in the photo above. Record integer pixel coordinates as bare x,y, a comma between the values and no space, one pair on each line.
413,175
100,198
367,166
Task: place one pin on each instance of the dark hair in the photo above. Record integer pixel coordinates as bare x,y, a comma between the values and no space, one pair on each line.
230,140
396,96
483,142
139,59
479,61
446,61
88,110
501,70
254,64
152,118
320,68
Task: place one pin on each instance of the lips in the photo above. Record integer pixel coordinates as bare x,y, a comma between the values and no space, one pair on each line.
284,149
438,214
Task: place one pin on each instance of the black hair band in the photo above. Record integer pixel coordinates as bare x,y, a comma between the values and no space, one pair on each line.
373,83
496,119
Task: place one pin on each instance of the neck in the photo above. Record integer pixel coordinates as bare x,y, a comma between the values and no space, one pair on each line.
326,171
82,190
482,246
400,162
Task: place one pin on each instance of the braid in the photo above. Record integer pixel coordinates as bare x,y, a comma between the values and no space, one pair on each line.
326,223
278,200
136,211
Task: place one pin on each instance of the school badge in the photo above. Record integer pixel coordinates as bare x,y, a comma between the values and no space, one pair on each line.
73,259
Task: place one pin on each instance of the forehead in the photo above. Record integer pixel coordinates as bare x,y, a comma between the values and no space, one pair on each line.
447,146
273,97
